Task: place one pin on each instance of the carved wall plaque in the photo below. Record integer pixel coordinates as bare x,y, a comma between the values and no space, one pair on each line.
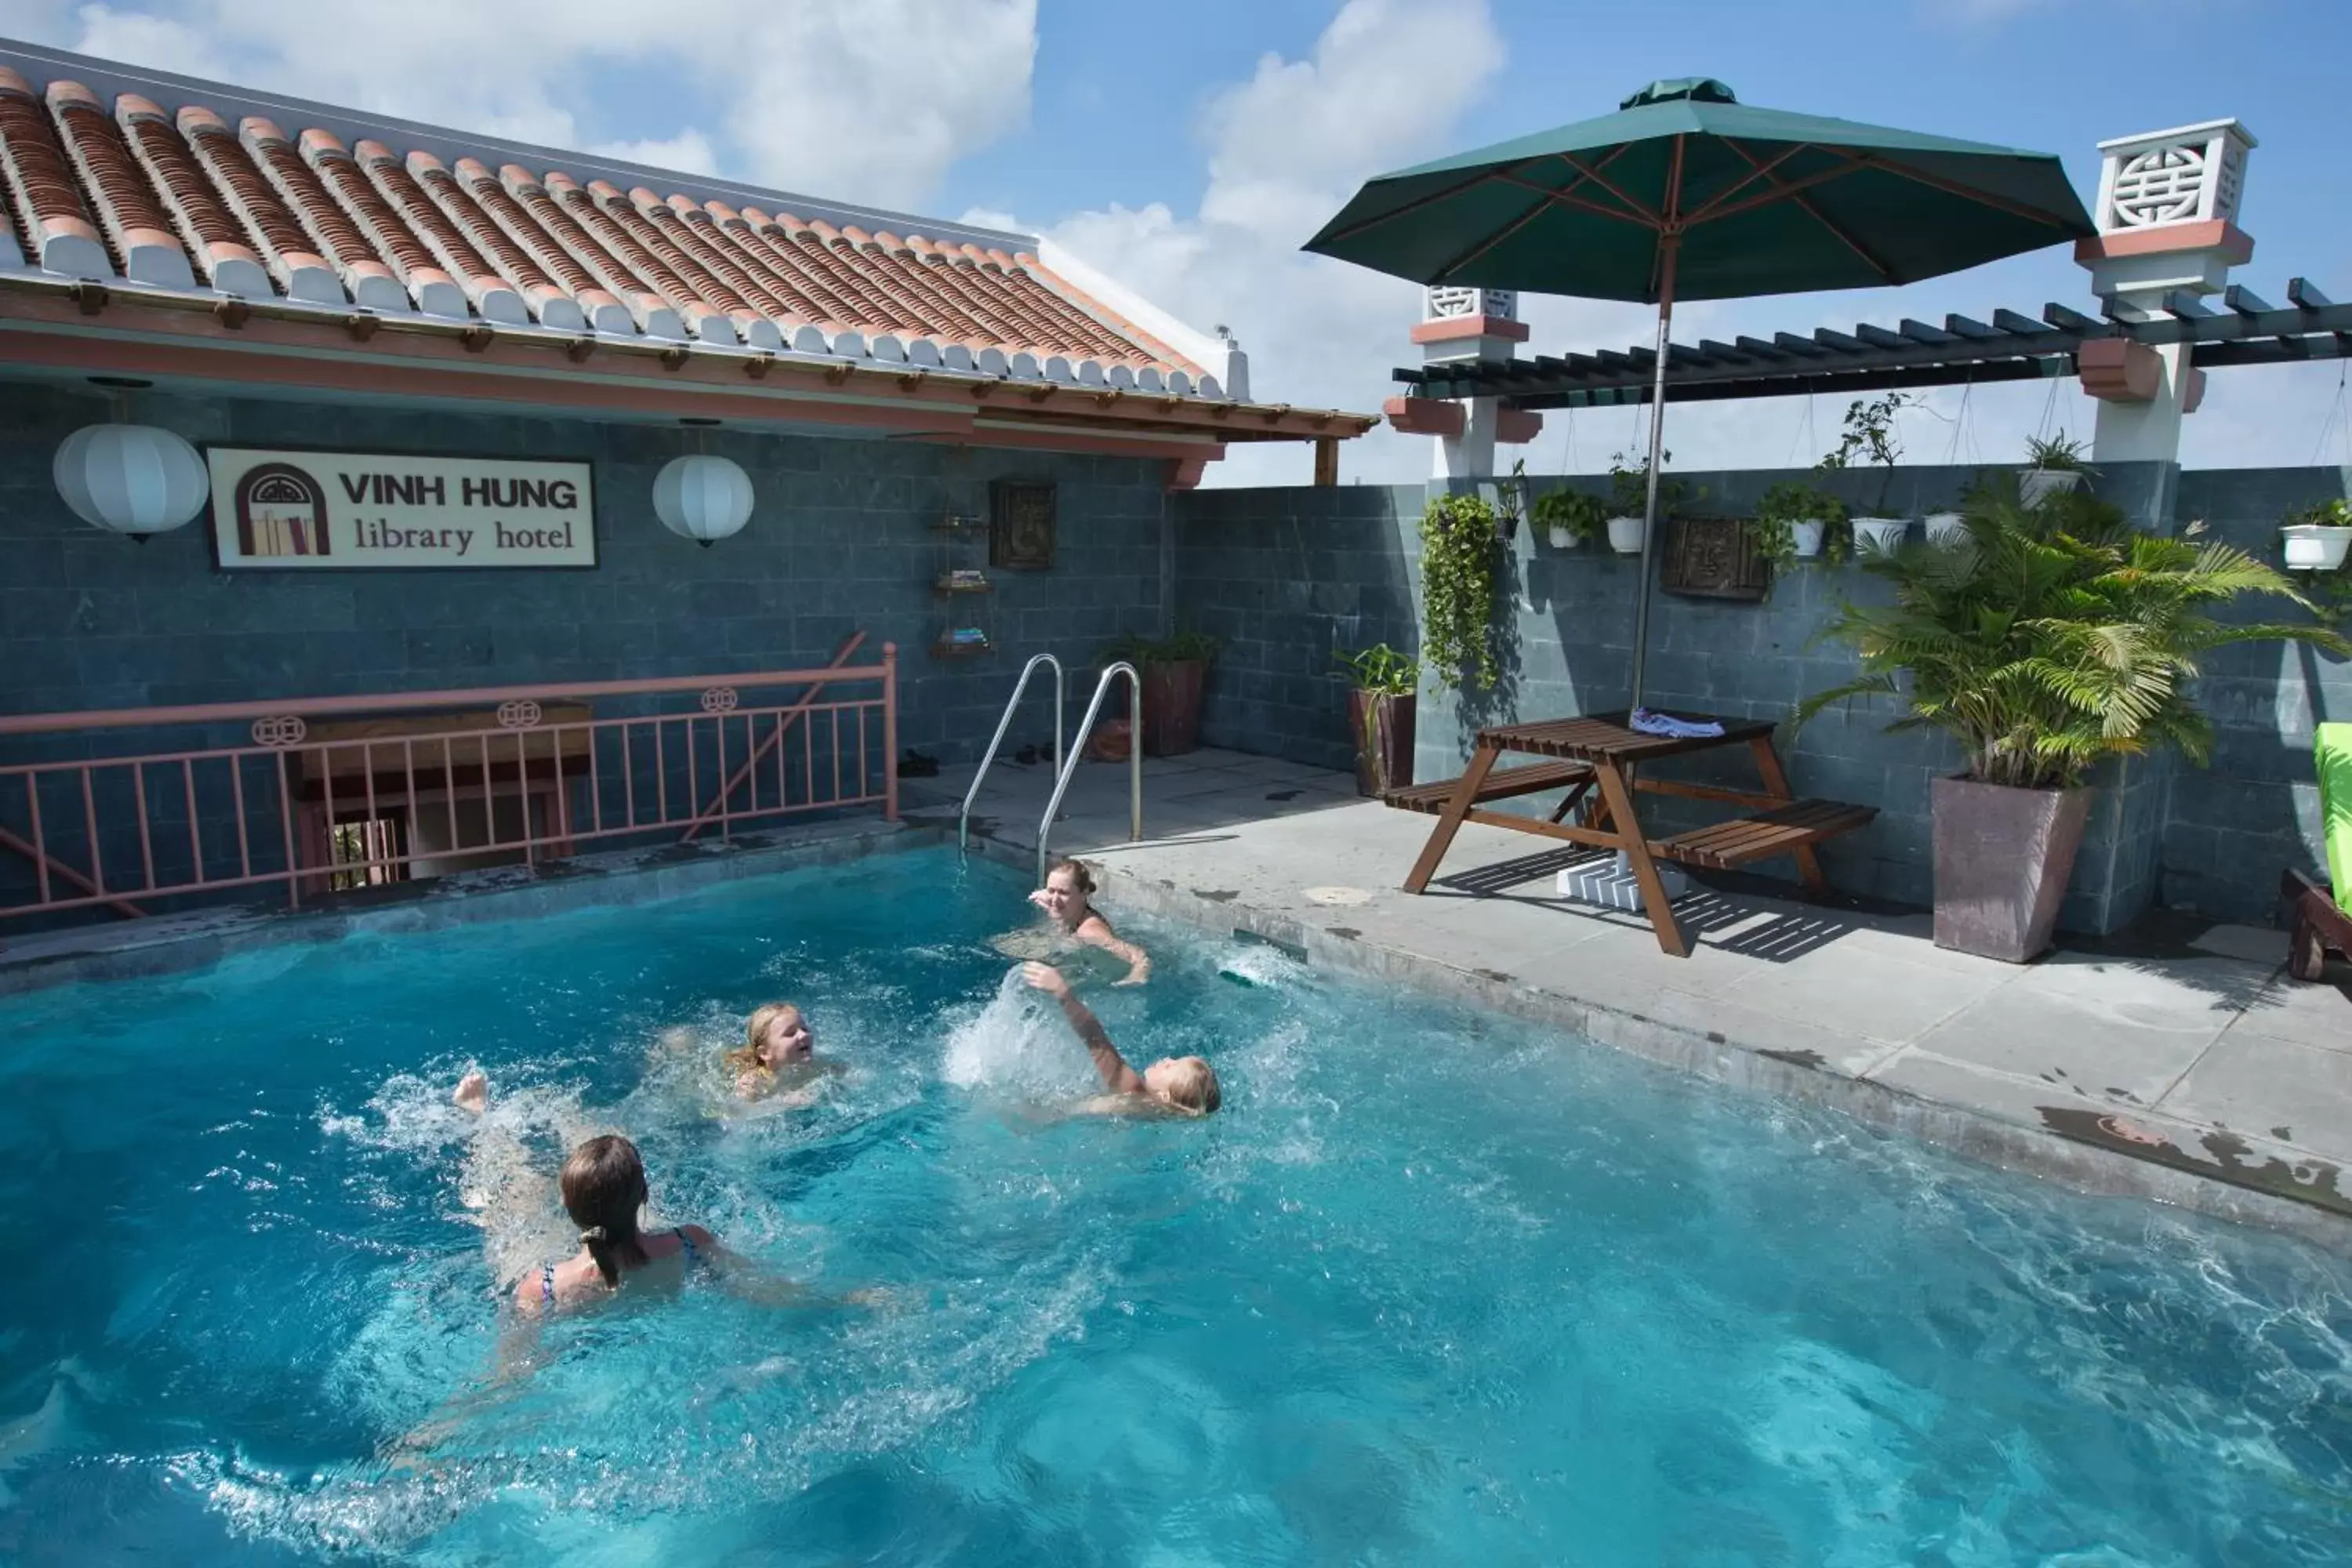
1714,558
1020,524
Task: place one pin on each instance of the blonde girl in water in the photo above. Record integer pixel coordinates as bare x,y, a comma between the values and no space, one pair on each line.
778,1057
1065,898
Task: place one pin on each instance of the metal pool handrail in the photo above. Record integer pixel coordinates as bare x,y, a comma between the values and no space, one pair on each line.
963,818
1079,750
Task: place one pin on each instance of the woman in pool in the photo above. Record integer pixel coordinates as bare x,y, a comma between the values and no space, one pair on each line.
603,1190
1064,899
778,1057
1185,1085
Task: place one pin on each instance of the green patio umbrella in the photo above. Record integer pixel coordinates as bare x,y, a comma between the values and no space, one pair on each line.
1688,194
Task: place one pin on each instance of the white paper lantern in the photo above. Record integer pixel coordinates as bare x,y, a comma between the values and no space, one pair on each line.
702,498
131,479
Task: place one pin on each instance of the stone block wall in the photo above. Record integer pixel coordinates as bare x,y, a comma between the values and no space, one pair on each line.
1285,579
1287,574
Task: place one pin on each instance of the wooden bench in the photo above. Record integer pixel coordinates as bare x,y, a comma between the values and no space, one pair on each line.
2320,927
1783,830
1502,784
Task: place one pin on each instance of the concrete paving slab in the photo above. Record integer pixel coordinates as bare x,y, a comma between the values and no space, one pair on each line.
2307,1013
1881,995
2252,1082
2121,1031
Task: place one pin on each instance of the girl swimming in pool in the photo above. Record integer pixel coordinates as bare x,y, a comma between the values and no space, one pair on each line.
778,1057
602,1187
1065,898
1186,1086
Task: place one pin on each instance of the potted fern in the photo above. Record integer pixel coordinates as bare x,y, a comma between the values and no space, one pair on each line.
2318,535
1569,519
1381,706
2061,638
1629,499
1870,437
1797,522
2057,466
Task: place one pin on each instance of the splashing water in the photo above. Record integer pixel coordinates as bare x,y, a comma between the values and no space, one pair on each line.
1434,1287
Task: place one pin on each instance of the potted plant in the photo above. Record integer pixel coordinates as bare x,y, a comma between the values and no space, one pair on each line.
1569,517
2057,466
1458,553
1797,522
2063,639
2316,536
1870,437
1172,671
1947,529
1510,502
1629,499
1381,706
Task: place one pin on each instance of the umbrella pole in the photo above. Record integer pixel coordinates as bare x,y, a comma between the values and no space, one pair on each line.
1657,434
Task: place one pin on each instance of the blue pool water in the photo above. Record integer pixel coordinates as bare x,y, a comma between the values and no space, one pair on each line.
1434,1288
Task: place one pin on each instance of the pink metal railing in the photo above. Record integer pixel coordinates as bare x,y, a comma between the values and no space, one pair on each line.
398,785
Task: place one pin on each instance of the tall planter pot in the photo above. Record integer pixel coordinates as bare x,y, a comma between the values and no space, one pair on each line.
2002,858
1171,707
1389,764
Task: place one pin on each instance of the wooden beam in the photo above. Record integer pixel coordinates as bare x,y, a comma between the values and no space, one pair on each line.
1326,461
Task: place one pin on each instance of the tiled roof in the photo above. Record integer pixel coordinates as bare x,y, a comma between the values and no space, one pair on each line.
196,201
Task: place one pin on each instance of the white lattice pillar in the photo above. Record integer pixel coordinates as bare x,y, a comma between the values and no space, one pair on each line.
2167,220
1458,324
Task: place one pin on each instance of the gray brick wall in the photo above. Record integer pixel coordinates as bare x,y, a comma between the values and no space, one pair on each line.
2234,824
1286,575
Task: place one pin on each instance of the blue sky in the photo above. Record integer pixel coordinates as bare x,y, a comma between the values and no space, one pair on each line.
1188,149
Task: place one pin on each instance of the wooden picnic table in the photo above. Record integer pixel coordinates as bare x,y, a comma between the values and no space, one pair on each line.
1601,752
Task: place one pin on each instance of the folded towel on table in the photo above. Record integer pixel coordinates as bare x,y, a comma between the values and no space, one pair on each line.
1667,725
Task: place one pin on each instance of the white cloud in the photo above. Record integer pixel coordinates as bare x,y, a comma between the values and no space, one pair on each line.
867,101
690,152
1383,84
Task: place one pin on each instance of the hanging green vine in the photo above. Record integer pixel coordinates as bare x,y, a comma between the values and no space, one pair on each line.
1457,590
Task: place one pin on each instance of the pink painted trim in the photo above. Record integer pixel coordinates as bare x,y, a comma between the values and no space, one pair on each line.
402,701
2118,370
1452,328
1516,426
2215,233
1426,416
548,762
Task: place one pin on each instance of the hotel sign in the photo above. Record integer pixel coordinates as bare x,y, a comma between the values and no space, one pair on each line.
330,511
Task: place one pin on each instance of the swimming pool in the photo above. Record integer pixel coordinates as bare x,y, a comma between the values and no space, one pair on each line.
1434,1288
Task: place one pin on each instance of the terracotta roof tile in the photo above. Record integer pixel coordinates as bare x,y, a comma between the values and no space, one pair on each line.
178,199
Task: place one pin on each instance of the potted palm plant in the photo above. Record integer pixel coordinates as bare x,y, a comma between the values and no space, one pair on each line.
2061,638
1870,437
1381,706
1569,517
2057,466
1172,669
1797,522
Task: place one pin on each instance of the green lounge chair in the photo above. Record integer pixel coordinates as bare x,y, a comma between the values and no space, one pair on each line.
2323,917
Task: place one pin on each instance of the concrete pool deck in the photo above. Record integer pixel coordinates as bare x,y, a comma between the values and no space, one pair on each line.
2185,1067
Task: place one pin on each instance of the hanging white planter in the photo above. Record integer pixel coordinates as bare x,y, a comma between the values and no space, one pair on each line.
1880,535
1560,538
131,480
2035,485
702,498
1626,535
1805,538
2314,547
1946,528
